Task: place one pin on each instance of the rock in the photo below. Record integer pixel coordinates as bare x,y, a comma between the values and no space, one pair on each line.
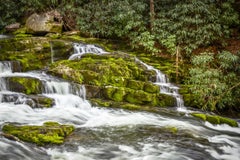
41,24
214,119
12,27
34,53
26,85
48,133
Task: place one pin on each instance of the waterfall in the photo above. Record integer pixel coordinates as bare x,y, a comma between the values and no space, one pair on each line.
64,88
165,86
81,49
110,133
5,67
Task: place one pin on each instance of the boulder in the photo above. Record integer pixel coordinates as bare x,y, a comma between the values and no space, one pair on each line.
41,24
48,133
12,27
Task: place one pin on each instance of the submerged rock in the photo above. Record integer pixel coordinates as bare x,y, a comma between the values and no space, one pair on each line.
214,119
48,133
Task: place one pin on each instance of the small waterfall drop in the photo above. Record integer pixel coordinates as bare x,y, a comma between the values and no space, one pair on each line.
81,49
165,86
64,88
5,67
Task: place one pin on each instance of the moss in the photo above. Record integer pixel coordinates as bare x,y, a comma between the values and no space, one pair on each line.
130,106
137,85
100,102
214,119
49,133
164,100
139,97
119,94
230,122
151,88
200,115
171,129
25,85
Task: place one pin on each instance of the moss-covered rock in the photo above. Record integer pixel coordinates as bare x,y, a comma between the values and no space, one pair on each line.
214,119
34,52
137,85
48,133
25,85
151,88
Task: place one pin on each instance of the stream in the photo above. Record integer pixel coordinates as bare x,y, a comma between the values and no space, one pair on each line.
111,134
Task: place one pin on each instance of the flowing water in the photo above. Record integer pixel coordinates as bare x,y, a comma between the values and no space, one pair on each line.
111,134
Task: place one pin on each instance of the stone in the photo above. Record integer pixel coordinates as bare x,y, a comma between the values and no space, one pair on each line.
12,27
41,24
215,119
48,133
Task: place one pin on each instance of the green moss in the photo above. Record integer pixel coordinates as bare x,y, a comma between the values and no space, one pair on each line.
119,94
151,88
49,133
100,102
25,85
139,97
200,115
130,106
137,85
171,129
164,100
214,119
230,122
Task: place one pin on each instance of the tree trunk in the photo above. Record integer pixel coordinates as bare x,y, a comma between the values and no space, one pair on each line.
152,14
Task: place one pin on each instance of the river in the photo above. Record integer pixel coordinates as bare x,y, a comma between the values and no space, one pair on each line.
109,134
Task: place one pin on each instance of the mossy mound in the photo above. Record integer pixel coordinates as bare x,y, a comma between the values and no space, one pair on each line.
34,52
214,119
48,133
115,77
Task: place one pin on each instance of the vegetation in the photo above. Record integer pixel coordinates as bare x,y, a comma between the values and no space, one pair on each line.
181,29
214,80
215,119
48,133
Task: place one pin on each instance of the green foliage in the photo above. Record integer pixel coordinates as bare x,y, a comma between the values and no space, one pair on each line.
213,81
193,23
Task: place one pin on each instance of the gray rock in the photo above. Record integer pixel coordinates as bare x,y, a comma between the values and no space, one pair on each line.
12,27
41,24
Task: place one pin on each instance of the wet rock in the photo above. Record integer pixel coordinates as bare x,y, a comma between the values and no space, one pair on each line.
48,133
26,85
214,119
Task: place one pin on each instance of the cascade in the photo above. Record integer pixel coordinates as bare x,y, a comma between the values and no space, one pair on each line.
64,88
107,133
81,49
165,86
5,67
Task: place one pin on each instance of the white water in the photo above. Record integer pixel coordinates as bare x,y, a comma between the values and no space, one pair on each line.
165,86
107,131
81,49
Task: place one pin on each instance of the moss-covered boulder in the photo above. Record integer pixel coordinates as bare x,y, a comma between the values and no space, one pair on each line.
214,119
34,52
114,77
25,85
48,133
